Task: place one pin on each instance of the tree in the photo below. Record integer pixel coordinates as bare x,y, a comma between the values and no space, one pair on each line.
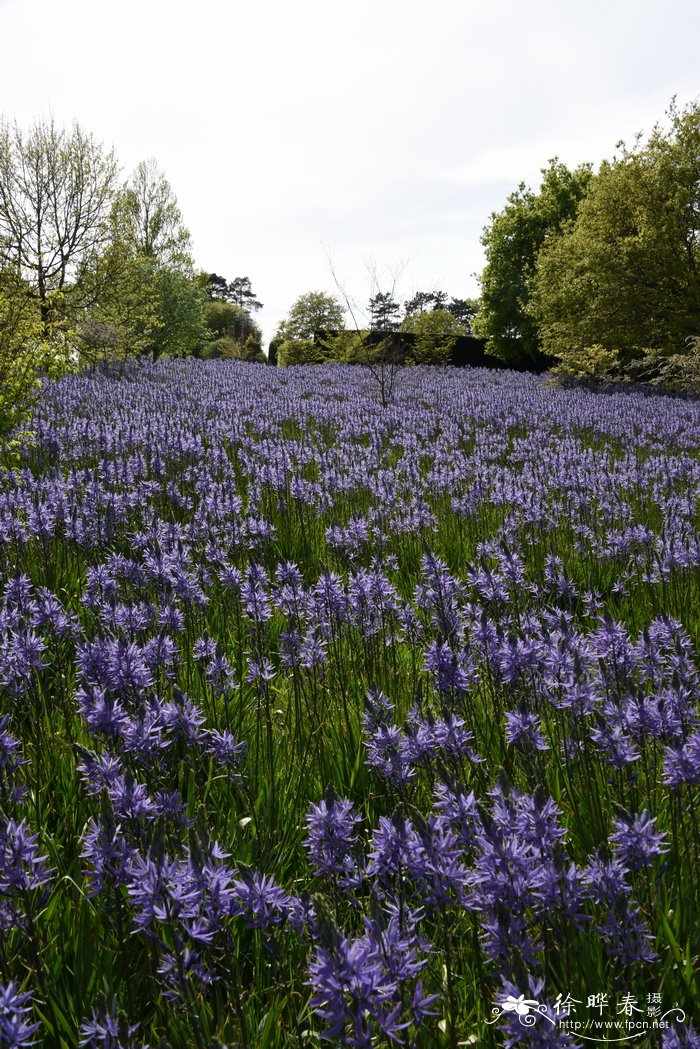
677,371
122,311
624,279
384,312
234,332
274,348
424,300
151,219
181,306
214,286
435,334
313,313
25,351
380,350
240,292
512,241
56,191
127,312
300,351
464,310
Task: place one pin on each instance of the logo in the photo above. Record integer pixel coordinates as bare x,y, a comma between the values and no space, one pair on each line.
605,1017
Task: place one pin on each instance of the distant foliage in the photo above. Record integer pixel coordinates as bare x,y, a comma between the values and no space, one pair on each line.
150,220
677,371
234,332
435,334
31,348
239,291
56,191
625,275
511,243
311,313
300,351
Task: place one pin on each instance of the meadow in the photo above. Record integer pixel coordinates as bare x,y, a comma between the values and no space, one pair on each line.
323,722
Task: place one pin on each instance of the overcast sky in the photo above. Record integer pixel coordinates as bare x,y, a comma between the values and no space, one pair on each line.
372,131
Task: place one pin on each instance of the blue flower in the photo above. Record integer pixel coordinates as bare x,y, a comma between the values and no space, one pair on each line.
16,1030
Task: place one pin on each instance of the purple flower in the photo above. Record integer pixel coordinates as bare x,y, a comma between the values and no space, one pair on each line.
10,748
682,764
524,729
626,935
220,674
260,670
331,837
534,1032
685,1037
604,880
446,877
460,812
99,771
204,649
159,892
451,669
226,751
130,799
396,850
357,984
635,842
107,852
184,719
108,1029
388,753
180,967
254,596
10,761
260,900
16,1030
21,866
352,994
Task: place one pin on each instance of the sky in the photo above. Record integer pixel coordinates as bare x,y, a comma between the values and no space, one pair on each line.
364,137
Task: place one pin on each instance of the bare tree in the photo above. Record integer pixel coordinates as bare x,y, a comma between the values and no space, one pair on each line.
379,351
56,190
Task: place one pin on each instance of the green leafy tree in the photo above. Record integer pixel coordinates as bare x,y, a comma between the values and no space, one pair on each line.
215,287
181,311
240,292
28,351
273,348
300,351
425,300
143,296
126,317
677,371
151,221
384,312
123,313
512,241
56,191
233,331
464,310
435,333
312,313
624,280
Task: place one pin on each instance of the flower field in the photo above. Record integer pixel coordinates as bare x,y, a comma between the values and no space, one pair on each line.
328,723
